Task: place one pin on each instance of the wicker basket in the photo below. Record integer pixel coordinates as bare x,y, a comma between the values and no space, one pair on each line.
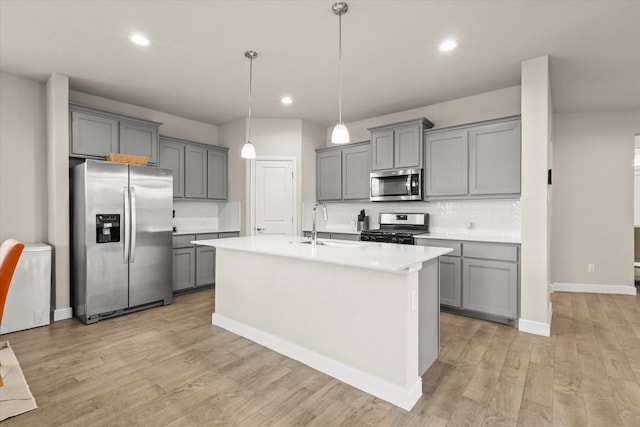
127,158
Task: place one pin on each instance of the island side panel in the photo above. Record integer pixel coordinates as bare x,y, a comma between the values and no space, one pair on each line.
360,317
429,315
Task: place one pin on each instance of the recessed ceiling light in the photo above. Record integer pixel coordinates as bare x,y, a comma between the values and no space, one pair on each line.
286,100
448,45
139,39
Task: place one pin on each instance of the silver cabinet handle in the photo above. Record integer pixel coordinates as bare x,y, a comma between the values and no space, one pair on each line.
260,229
125,224
133,224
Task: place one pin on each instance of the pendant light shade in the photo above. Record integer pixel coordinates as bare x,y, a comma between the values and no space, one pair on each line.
340,133
248,150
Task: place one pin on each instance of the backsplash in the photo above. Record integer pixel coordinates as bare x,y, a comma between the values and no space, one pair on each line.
206,215
492,217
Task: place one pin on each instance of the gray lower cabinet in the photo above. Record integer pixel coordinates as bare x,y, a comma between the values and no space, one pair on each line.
172,157
399,145
205,265
490,287
96,133
195,266
473,161
451,281
479,278
342,173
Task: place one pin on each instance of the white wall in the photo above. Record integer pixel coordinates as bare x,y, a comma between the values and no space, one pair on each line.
593,197
23,159
485,106
173,126
233,135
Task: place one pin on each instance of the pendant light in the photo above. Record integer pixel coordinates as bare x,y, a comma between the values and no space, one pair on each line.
248,151
340,134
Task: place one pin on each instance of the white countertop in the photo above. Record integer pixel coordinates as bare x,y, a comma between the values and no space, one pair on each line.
182,232
377,256
473,237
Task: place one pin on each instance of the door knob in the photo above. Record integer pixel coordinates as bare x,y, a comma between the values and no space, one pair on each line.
260,229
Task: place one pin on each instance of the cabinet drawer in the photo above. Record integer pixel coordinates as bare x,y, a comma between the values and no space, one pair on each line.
456,246
206,236
345,236
495,251
228,234
183,241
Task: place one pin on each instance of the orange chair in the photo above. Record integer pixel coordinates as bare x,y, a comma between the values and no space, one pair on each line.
10,252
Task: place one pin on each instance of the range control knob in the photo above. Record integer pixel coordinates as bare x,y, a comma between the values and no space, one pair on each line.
394,239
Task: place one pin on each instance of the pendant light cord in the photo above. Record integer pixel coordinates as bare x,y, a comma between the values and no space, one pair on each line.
250,97
340,68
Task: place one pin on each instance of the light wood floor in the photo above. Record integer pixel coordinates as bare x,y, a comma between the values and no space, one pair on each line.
170,367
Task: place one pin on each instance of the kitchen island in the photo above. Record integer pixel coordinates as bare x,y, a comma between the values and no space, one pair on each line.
364,313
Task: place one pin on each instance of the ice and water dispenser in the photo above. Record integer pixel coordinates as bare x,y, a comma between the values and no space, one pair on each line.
107,228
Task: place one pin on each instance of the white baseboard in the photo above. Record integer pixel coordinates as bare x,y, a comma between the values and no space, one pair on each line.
62,313
392,393
537,328
593,289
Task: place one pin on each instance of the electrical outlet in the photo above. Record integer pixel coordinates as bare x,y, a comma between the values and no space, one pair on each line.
591,268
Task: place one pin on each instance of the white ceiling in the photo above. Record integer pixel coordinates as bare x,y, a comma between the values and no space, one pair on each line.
196,67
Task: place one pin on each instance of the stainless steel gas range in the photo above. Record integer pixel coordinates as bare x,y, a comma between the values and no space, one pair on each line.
398,228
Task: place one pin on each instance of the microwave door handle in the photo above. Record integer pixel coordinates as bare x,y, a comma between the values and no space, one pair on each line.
408,184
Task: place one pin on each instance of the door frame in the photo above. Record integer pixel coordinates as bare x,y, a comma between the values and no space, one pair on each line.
294,190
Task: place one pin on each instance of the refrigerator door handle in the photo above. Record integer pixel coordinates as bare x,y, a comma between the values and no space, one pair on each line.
133,229
127,228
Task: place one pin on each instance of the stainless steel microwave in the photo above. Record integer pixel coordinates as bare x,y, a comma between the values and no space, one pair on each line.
396,185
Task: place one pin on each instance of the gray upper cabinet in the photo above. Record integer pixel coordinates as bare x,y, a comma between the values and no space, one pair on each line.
95,134
172,157
356,166
217,174
480,160
199,170
329,175
398,146
342,173
195,172
446,164
382,150
494,158
139,139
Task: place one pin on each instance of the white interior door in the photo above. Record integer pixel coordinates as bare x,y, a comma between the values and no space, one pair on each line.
274,197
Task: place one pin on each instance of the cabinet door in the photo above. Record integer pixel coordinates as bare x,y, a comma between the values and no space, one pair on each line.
382,150
408,147
195,185
93,135
216,174
184,267
446,164
205,265
494,156
356,167
490,287
451,281
329,175
172,157
139,139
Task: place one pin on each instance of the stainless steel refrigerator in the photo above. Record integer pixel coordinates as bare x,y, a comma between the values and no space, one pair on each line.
121,238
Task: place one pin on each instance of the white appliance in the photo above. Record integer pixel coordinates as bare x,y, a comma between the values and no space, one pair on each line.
29,299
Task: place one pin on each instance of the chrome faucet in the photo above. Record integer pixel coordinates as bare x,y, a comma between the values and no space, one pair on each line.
325,215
